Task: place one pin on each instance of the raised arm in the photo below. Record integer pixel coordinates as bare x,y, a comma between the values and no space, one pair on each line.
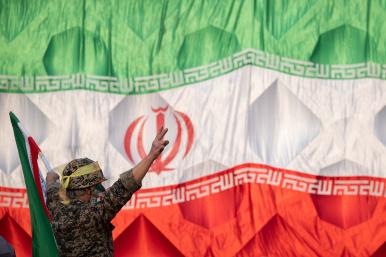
158,145
52,186
130,181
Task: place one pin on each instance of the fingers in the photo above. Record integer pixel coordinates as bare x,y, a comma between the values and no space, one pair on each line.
51,177
160,130
159,143
163,144
52,174
161,133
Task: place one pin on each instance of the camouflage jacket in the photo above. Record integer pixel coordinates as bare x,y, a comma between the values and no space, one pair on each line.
83,228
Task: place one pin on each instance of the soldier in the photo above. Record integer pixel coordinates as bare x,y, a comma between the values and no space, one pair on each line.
82,226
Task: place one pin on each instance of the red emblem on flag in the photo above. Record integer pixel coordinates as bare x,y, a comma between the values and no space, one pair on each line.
183,137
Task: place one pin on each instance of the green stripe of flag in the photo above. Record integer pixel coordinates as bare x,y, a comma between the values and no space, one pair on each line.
178,35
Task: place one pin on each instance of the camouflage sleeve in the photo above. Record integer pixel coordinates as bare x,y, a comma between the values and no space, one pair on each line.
118,195
52,196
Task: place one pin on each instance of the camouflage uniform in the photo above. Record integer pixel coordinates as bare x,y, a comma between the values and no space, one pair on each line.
83,228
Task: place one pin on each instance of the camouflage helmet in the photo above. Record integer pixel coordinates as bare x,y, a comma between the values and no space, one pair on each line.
82,173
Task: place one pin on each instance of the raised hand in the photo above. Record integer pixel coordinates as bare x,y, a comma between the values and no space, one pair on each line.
51,177
159,143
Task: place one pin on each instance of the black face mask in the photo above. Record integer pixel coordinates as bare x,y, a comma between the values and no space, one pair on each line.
98,192
100,188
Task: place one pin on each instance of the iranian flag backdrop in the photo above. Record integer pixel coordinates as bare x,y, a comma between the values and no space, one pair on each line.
276,113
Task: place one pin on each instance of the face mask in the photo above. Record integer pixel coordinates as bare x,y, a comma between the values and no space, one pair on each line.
100,188
98,192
